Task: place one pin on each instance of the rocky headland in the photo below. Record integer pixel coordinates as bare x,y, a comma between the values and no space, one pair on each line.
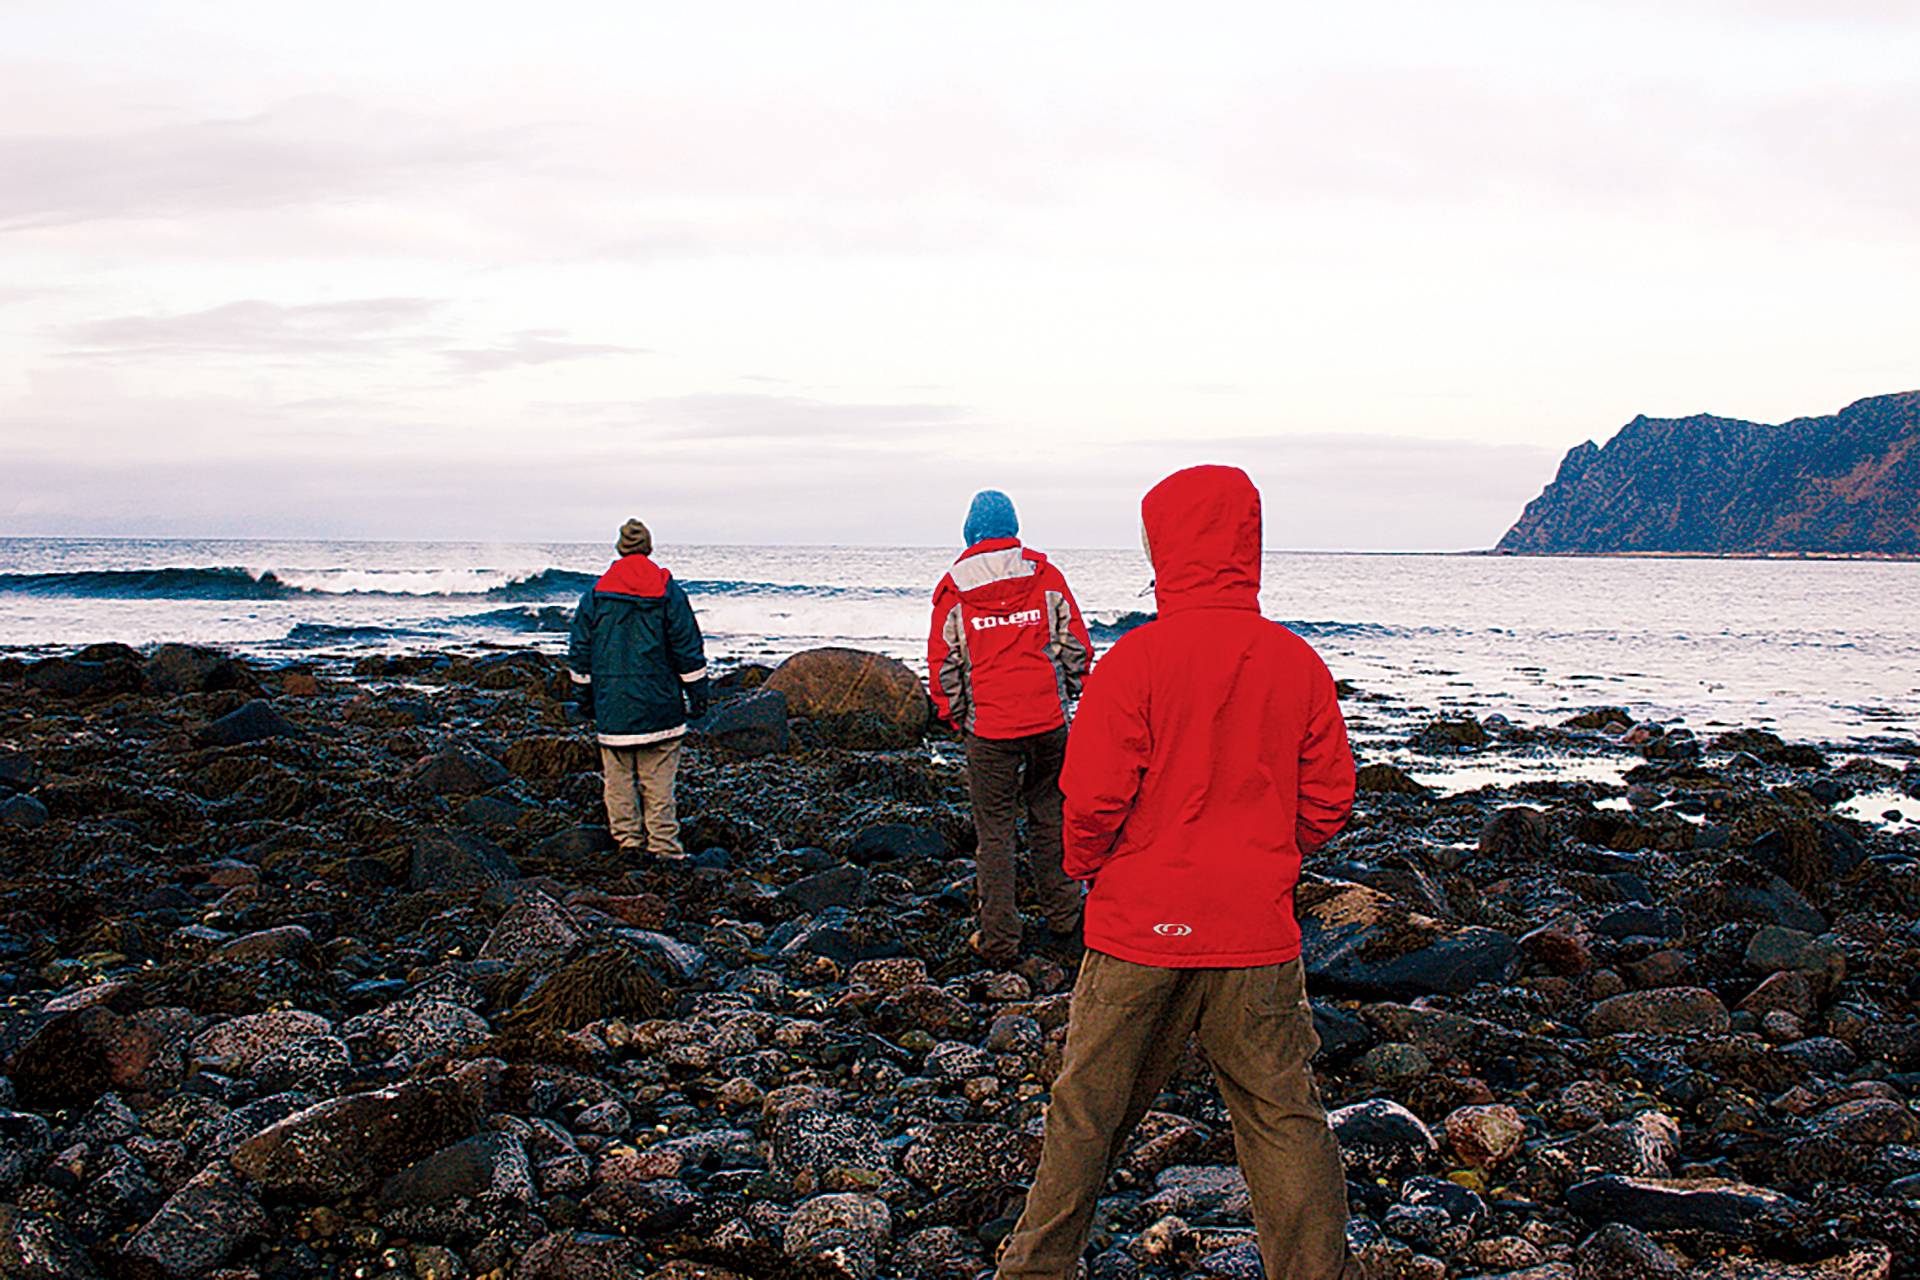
333,973
1843,485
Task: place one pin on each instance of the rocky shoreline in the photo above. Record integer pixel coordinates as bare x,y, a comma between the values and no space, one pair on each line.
335,974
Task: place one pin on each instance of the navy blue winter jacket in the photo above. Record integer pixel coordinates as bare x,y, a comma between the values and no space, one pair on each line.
639,667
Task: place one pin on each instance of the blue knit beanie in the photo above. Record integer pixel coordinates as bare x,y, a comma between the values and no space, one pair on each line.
991,516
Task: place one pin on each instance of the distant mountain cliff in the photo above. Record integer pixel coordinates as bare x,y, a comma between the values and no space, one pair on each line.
1841,485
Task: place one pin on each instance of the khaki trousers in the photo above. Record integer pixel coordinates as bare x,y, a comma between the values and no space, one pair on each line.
639,791
1125,1035
1005,778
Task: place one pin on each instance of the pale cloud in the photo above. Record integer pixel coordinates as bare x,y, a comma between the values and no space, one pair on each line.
253,326
532,347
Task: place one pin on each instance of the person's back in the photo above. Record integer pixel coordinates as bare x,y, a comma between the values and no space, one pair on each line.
639,668
1005,658
1195,792
1208,756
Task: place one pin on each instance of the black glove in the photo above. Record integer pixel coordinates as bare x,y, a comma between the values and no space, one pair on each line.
583,701
696,699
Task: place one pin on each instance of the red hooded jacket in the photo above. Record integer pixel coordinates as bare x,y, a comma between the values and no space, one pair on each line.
1208,754
1008,650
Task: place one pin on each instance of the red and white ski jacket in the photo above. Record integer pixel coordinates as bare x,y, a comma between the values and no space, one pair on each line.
1209,753
1008,650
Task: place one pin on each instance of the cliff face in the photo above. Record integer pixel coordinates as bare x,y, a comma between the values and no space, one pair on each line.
1845,484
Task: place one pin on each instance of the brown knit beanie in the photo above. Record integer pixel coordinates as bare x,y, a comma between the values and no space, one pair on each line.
634,540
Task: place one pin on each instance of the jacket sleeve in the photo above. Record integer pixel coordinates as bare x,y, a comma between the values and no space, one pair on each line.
1107,753
580,654
1069,645
1326,768
947,674
686,650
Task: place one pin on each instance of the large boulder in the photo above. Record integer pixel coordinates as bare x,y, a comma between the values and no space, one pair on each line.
201,1225
77,678
187,668
455,770
754,724
1690,1011
1357,940
255,721
878,697
1707,1205
348,1144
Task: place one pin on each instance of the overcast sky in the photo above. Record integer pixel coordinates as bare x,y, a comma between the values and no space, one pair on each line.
813,272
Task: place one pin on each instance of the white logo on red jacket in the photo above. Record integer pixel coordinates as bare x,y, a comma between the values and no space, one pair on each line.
1023,618
1173,930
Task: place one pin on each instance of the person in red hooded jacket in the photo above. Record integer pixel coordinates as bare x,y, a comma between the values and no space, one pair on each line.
1005,659
1207,757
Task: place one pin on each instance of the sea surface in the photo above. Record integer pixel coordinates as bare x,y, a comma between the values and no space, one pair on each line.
1820,651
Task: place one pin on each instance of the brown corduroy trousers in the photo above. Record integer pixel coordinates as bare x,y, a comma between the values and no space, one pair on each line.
1128,1028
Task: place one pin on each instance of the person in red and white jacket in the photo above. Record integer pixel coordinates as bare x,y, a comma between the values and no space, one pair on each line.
1006,657
1207,757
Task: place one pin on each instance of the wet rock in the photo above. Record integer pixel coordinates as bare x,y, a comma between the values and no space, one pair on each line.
416,1029
840,1235
201,1225
1357,940
72,678
1380,1138
348,1144
1639,920
286,942
1485,1136
1516,832
575,842
1618,1252
578,1255
1386,779
1436,1215
946,1156
455,770
754,724
843,886
1707,1205
1773,949
185,668
1467,733
458,860
837,683
22,811
25,1142
889,841
533,930
240,1043
1663,1011
459,1190
817,1141
255,721
1210,1193
77,1055
36,1247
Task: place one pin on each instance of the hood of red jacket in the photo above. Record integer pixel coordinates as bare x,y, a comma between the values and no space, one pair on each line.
999,573
634,575
1203,534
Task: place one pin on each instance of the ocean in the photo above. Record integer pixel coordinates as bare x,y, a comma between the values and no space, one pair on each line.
1818,651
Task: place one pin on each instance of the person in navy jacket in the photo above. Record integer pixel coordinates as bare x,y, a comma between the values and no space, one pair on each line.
639,670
